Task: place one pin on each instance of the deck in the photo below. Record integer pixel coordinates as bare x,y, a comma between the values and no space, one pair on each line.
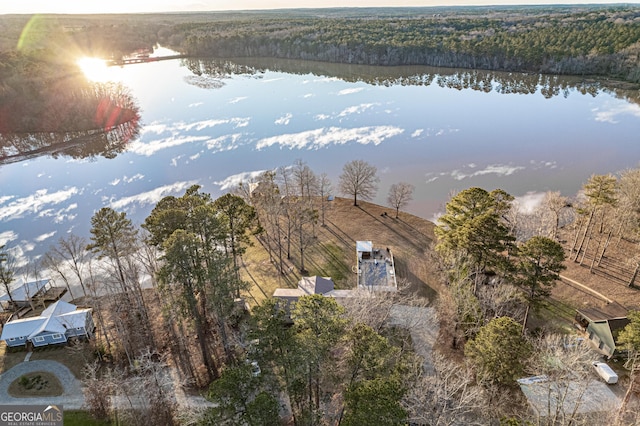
376,271
52,294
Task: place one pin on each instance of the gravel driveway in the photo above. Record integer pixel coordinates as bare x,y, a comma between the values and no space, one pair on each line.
71,399
423,326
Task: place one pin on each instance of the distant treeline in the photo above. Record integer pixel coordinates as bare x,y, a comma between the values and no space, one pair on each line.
598,42
580,40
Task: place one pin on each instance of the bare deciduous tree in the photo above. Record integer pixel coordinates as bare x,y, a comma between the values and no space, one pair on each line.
142,395
70,254
324,191
267,200
447,397
600,191
400,194
303,216
7,270
359,179
97,389
555,203
566,365
305,179
285,181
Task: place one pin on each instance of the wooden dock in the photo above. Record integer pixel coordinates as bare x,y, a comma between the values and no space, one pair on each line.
142,59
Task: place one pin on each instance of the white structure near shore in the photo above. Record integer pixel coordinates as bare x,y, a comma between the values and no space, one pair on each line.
376,269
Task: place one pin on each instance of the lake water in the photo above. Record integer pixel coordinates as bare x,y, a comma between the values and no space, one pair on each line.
440,130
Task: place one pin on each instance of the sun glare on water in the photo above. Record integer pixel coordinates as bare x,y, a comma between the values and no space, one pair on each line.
94,69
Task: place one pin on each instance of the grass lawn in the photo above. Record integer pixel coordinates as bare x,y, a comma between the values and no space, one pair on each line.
553,316
334,251
82,418
74,356
9,358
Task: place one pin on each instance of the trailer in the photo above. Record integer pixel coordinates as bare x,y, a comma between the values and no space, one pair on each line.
606,372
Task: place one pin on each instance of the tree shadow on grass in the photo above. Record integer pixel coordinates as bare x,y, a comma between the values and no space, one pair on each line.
416,285
407,239
414,229
342,236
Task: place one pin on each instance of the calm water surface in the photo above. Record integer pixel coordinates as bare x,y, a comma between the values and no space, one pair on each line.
414,124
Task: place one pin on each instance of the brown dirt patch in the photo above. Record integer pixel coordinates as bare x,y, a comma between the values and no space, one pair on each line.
609,277
36,384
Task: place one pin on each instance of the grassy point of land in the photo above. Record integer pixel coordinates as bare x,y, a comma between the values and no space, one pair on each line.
411,240
333,254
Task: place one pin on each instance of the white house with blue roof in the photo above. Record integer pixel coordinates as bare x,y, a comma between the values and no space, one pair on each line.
55,325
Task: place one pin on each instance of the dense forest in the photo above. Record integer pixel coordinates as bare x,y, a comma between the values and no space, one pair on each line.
594,40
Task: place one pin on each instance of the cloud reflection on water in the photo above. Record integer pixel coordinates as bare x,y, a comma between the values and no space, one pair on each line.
325,136
611,113
34,203
152,196
494,169
234,180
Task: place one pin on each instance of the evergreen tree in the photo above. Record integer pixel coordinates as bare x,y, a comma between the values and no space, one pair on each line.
498,352
538,263
474,230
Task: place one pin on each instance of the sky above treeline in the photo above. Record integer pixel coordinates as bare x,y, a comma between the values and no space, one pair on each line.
142,6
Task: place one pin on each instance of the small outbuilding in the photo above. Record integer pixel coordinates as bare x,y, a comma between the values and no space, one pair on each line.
306,287
602,324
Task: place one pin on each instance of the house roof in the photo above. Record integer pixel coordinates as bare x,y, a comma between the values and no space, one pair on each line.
286,293
21,327
50,325
608,312
340,294
25,291
57,318
316,285
58,308
60,323
546,396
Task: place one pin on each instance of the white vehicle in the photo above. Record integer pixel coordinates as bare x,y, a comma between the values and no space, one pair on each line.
255,369
605,372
